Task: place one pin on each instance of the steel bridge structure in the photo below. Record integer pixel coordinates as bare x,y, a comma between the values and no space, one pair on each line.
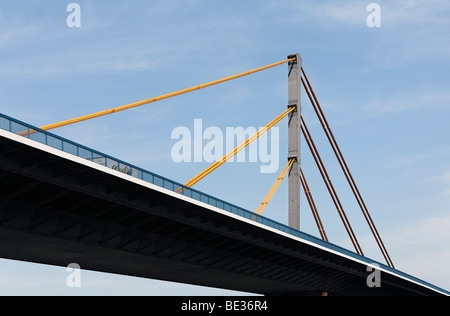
62,203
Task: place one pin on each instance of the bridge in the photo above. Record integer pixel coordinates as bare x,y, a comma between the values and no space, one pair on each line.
62,203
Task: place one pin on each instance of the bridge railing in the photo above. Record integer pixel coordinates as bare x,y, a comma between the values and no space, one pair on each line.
26,130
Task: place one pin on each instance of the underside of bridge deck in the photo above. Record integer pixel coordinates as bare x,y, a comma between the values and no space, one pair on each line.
57,211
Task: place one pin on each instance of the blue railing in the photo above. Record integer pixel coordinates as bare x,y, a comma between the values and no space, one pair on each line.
26,130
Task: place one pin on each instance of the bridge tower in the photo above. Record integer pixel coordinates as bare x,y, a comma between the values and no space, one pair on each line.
294,131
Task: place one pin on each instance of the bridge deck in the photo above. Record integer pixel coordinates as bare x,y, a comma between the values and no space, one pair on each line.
63,203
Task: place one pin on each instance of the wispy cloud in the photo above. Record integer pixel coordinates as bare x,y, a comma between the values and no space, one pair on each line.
59,54
424,97
424,13
442,181
41,47
16,34
428,13
431,261
418,248
388,103
108,42
413,32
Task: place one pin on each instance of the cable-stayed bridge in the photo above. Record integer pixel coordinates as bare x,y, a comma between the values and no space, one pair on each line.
63,203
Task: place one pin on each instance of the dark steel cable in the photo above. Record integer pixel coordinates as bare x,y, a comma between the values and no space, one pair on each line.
330,187
313,207
345,168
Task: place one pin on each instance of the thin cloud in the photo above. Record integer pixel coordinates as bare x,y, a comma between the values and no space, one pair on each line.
412,32
416,249
108,43
421,98
442,181
9,37
431,262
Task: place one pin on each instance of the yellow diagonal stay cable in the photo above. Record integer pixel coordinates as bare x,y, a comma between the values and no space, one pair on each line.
162,97
274,187
238,149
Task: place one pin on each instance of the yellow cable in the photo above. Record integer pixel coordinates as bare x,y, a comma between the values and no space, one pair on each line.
274,188
234,151
166,96
237,149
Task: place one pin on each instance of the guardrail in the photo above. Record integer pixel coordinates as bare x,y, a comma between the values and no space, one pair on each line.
44,137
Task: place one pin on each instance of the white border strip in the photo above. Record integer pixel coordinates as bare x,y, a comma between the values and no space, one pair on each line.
154,187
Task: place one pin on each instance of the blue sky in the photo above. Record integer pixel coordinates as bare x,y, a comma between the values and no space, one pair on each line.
385,92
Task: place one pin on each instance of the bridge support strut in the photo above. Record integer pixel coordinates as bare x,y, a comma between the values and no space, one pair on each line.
295,74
